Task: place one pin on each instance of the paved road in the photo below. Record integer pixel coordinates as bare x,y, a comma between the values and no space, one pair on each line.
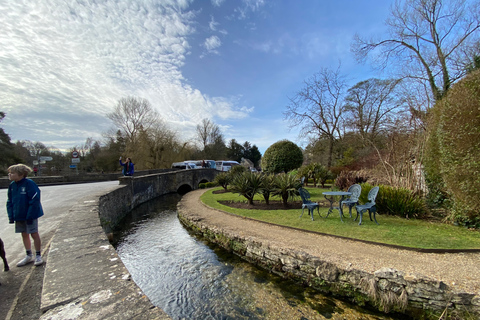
56,201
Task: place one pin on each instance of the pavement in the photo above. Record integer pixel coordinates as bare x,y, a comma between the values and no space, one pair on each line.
83,276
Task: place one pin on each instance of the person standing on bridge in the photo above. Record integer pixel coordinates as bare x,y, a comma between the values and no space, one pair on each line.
24,209
127,169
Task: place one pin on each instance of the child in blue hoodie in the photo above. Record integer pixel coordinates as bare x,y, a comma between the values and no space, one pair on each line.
24,208
127,169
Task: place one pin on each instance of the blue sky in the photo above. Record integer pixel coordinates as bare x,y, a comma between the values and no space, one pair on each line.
65,64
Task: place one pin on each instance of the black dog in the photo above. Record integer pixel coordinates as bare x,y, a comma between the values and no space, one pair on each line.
4,258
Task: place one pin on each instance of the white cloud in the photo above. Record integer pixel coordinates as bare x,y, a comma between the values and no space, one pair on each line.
217,3
212,43
249,6
64,65
213,24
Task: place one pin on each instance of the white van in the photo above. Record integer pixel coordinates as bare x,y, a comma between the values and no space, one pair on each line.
224,165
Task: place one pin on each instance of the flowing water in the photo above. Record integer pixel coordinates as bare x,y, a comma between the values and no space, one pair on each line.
190,278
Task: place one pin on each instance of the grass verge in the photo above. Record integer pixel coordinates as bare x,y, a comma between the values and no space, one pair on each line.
413,233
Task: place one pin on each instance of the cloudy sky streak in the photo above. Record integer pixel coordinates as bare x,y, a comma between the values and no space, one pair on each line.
65,64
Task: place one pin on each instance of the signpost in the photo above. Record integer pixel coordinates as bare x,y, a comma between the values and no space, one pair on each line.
75,160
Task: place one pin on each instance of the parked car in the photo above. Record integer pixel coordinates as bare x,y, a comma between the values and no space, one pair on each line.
184,165
203,163
194,164
224,165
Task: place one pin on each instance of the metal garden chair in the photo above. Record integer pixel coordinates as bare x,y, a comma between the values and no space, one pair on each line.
370,206
307,203
356,191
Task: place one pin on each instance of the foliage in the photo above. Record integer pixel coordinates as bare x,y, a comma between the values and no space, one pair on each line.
210,185
7,150
268,187
236,170
415,233
304,172
320,173
201,185
396,201
282,156
251,153
437,193
286,186
236,151
458,134
247,184
223,180
346,178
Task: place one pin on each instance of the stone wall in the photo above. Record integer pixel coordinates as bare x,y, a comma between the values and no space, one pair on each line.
387,290
82,178
114,206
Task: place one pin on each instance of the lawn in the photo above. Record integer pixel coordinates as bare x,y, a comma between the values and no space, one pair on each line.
392,230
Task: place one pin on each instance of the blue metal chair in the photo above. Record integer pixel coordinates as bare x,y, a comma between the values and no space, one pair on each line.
370,206
356,191
307,203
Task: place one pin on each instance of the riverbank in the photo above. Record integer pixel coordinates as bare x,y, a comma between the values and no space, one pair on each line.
390,279
84,277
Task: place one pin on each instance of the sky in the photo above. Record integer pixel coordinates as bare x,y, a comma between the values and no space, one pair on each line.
64,64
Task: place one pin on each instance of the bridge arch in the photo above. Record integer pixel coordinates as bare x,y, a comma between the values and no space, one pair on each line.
144,188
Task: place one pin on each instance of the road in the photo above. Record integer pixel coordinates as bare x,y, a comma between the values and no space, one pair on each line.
56,201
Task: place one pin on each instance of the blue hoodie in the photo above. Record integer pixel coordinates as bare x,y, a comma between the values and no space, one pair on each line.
23,201
127,171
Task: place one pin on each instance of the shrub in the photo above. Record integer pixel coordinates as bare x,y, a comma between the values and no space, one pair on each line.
346,178
210,184
282,156
201,186
320,173
459,145
304,172
222,179
396,201
247,184
286,187
235,170
268,187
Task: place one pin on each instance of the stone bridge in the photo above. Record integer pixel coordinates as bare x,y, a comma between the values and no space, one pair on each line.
139,189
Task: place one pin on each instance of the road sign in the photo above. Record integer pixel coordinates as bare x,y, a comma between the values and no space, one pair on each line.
35,162
74,154
46,158
42,162
75,160
73,166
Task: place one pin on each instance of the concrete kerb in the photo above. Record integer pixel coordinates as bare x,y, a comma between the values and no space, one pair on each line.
85,278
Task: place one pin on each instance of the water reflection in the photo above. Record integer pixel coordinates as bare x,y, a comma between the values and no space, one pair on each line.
191,279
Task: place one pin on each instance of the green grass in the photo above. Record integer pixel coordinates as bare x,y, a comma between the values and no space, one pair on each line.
392,230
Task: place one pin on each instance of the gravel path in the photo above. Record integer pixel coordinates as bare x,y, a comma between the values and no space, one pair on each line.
460,271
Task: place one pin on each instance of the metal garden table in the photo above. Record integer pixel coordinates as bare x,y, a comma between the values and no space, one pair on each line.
333,194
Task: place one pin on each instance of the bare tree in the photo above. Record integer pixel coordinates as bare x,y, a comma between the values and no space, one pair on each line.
317,108
428,41
208,132
133,114
371,105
